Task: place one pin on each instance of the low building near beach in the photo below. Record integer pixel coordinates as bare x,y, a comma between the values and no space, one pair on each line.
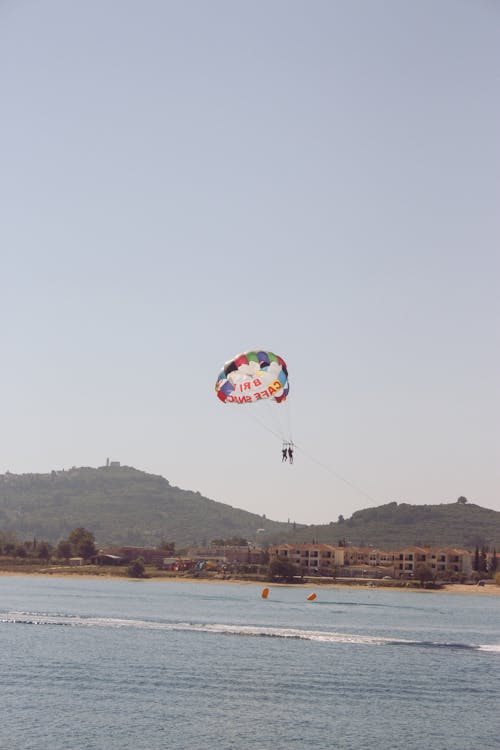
126,555
311,558
439,560
352,561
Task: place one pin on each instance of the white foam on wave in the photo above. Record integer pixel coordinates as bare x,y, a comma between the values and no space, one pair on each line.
319,636
490,647
308,635
37,618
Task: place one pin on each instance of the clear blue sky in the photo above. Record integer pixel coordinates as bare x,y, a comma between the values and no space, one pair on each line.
183,181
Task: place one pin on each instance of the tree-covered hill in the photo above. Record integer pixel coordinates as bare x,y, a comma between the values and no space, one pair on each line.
394,525
124,506
121,506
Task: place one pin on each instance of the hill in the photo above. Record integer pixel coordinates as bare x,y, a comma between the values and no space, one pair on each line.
394,525
121,506
124,506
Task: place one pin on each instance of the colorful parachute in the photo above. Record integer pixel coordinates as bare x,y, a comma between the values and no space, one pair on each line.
251,377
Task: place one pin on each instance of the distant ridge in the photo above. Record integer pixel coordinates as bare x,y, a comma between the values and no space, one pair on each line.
393,526
124,506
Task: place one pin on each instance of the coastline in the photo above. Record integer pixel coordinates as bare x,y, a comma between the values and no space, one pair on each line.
489,589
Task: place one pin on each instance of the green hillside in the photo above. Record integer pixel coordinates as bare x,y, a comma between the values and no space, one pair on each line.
394,525
121,506
124,506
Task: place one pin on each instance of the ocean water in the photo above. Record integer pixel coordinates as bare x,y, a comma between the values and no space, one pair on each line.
149,665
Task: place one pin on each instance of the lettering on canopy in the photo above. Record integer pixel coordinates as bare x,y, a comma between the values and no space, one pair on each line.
253,395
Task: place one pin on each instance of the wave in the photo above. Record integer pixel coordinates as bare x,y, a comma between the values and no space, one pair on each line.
319,636
490,647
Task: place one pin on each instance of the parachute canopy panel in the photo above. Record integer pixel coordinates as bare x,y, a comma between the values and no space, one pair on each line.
253,376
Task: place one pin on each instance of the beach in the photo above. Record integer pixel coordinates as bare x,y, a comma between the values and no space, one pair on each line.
74,573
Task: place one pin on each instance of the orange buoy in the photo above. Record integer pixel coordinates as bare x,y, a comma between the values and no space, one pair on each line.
311,597
265,593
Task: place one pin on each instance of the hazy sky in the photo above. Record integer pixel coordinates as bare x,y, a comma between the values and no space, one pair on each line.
183,181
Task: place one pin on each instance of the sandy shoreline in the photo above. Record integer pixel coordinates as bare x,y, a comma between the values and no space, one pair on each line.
456,588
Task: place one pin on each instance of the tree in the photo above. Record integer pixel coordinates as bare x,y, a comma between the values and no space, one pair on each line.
281,568
9,548
63,550
462,500
233,541
264,557
87,548
136,569
475,562
82,542
423,574
167,546
44,551
483,561
494,563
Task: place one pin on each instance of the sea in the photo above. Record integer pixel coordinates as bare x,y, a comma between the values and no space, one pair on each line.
111,664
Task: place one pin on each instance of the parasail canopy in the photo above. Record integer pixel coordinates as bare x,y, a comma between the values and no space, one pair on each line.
253,376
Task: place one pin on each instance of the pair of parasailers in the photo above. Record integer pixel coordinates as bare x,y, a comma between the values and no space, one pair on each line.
287,452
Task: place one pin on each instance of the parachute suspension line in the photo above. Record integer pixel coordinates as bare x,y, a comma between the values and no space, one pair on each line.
337,475
264,425
289,423
287,446
278,415
273,413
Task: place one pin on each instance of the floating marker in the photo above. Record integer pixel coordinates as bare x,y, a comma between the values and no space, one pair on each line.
311,597
265,593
